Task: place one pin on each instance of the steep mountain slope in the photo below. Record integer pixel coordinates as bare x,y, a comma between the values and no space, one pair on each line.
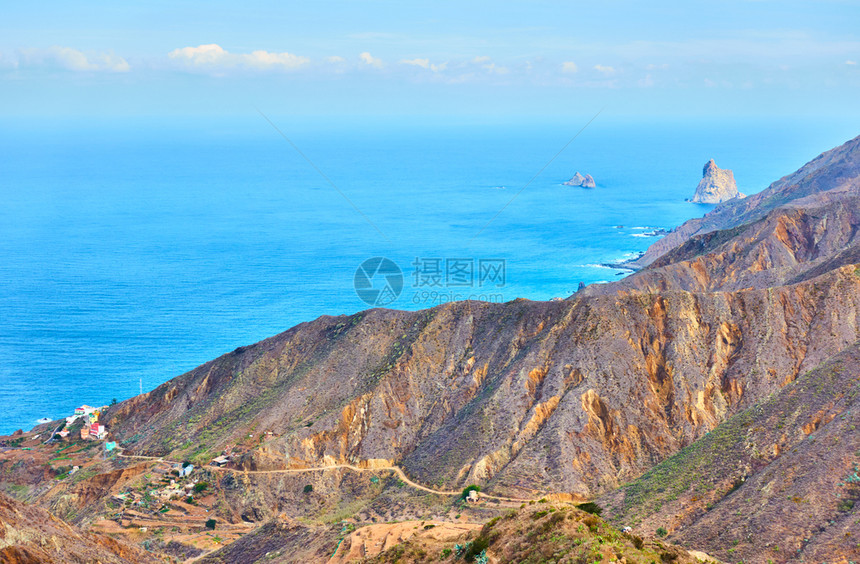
279,542
777,482
788,245
31,535
573,396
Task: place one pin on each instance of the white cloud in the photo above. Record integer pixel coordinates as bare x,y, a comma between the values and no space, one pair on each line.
608,71
652,66
646,82
369,59
71,59
264,59
488,65
200,55
498,70
213,56
335,59
569,66
852,63
425,64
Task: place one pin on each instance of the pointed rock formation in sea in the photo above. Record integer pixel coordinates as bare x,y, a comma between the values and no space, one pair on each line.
717,185
579,180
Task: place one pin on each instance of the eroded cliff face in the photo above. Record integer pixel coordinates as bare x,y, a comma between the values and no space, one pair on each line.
776,483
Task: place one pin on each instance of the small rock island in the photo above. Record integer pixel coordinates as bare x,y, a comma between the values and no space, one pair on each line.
579,180
717,185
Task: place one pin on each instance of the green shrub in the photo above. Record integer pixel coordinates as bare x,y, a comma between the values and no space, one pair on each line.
200,487
475,548
446,552
308,489
661,532
590,507
210,524
468,489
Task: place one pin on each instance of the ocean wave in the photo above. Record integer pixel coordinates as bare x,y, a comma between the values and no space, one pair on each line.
655,233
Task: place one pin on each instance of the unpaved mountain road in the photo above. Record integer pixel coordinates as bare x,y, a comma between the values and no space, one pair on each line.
397,471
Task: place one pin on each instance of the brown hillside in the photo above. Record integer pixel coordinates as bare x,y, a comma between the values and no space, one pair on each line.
31,535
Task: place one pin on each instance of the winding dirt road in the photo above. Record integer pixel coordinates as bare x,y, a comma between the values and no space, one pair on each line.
397,470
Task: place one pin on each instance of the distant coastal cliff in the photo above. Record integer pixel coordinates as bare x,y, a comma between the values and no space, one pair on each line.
717,185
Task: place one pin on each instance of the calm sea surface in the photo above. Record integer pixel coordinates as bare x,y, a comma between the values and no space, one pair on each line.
132,252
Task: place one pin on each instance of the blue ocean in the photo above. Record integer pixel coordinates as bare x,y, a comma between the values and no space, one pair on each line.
134,250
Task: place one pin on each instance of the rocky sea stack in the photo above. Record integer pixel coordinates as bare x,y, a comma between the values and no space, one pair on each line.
717,185
579,180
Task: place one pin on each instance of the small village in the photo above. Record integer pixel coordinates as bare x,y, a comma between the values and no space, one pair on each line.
169,501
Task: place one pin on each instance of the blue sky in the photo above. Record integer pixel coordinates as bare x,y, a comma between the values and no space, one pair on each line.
536,58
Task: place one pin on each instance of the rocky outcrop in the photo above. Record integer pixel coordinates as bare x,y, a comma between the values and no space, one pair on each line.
717,185
579,180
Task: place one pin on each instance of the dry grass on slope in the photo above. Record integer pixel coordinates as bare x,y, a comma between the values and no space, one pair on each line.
540,533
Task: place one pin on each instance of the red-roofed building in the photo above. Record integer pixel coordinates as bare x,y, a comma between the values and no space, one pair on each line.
97,431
